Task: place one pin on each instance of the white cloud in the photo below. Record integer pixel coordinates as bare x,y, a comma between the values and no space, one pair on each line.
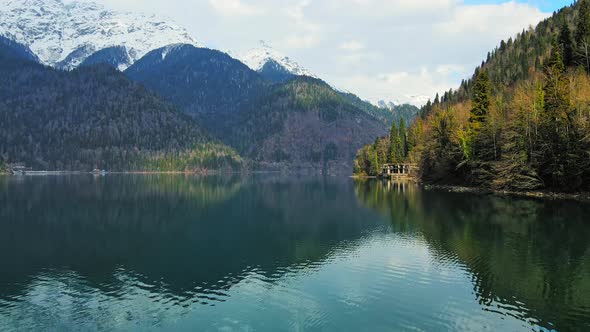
379,49
352,45
234,7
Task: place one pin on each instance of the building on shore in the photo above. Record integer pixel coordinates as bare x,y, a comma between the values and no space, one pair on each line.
398,171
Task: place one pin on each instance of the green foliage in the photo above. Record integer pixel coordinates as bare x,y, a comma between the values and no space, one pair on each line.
303,122
96,117
395,149
583,26
514,60
391,149
567,44
558,155
525,130
478,115
583,35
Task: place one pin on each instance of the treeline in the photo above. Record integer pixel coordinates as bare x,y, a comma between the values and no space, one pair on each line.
517,58
95,117
394,148
519,129
522,122
304,123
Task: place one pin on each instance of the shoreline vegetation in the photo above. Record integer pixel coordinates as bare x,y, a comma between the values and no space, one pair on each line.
539,194
519,126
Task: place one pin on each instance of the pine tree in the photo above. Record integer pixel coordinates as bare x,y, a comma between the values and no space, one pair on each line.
567,44
403,137
583,35
557,127
393,151
481,101
394,146
482,91
583,28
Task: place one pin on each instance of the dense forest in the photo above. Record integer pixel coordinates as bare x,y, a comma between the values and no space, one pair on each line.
522,122
304,123
276,120
95,117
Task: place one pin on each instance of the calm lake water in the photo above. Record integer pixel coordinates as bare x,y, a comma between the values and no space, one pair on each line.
268,253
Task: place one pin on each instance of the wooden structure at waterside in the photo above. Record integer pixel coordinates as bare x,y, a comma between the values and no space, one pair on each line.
399,171
18,168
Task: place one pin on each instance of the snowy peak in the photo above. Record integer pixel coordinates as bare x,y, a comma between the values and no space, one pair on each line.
386,104
65,33
258,57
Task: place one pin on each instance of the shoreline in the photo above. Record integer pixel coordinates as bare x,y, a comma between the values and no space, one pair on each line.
540,194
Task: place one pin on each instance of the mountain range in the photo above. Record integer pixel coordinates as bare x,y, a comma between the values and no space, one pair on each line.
262,103
62,34
94,117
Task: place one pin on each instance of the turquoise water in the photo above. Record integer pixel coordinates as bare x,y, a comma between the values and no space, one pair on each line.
270,253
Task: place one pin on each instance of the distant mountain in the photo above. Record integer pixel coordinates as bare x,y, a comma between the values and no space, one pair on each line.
115,56
207,84
13,50
304,124
271,64
386,104
275,72
64,33
52,119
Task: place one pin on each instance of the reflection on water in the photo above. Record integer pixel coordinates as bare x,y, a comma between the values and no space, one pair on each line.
273,253
528,259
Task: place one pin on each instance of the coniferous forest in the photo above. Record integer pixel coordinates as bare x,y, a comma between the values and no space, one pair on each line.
522,122
95,117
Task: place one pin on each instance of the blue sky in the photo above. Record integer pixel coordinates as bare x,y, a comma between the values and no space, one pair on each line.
544,5
396,50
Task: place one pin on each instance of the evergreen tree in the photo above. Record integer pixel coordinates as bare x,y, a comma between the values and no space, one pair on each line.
403,137
394,146
481,101
557,127
583,35
583,28
567,44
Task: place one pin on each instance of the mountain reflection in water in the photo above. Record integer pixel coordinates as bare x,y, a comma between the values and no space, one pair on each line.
266,252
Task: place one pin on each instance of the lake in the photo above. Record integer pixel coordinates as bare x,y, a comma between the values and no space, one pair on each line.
272,253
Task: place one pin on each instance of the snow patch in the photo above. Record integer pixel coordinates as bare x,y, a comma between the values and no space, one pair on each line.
256,59
53,29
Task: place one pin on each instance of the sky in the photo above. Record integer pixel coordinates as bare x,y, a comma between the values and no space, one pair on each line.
393,50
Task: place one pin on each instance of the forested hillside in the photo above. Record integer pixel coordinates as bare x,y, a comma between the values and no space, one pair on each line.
287,122
94,117
521,123
206,84
304,123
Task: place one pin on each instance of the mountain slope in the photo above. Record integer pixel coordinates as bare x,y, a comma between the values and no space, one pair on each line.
91,116
272,64
63,34
515,59
115,56
204,83
304,123
522,122
300,122
14,50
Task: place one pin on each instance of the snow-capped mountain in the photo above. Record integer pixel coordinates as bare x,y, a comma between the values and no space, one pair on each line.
63,33
387,105
258,57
